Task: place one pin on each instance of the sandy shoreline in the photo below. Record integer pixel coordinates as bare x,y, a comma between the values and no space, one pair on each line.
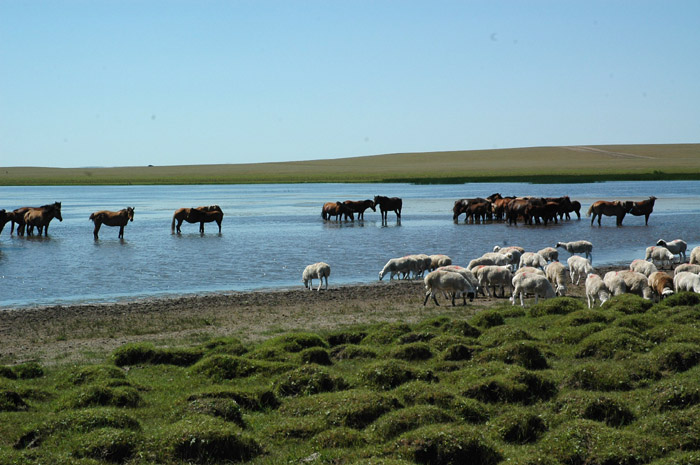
74,333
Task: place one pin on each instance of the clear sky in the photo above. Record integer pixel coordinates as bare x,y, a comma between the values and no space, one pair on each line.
137,82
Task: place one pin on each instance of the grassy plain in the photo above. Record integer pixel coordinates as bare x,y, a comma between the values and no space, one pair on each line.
555,383
536,164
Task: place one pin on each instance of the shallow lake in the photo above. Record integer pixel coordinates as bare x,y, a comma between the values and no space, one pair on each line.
271,232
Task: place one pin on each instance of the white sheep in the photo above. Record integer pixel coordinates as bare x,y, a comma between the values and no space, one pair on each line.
643,266
318,271
481,261
514,251
447,281
676,246
686,281
468,275
531,284
397,266
615,283
550,254
438,260
695,256
422,263
659,256
661,284
556,273
532,259
575,247
578,268
636,283
695,269
499,258
530,269
596,289
494,276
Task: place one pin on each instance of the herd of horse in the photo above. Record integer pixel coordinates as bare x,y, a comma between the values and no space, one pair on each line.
530,210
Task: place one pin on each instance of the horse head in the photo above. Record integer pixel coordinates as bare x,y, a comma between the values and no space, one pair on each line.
56,207
371,205
627,205
130,213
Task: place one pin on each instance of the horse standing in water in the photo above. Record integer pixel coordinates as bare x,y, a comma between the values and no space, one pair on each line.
120,218
616,208
644,208
199,215
337,209
387,204
41,217
359,207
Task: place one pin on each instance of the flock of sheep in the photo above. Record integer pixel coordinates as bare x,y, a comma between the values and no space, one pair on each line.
539,274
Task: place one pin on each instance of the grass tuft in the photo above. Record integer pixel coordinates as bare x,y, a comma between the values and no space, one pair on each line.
308,380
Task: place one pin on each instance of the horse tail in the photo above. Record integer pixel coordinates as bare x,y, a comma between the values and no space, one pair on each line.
172,225
590,210
323,214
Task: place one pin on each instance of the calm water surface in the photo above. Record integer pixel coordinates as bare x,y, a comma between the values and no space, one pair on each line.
271,232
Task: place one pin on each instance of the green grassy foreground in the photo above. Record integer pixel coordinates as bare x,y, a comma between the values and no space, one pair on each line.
554,384
537,164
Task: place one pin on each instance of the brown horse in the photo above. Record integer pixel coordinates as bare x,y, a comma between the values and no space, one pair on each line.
41,217
337,209
199,215
4,218
359,207
387,204
644,208
17,216
603,207
120,218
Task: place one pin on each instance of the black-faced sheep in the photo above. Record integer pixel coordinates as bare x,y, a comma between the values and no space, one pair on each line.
676,246
318,271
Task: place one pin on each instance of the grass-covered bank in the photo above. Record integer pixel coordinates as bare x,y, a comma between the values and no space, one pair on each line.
536,164
555,383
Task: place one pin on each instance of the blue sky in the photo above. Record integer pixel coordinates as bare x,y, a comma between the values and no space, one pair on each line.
127,82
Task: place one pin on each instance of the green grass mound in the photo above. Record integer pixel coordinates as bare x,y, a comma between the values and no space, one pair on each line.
519,426
676,357
500,335
283,428
386,333
447,444
11,401
610,343
557,306
638,322
251,400
106,374
316,355
422,392
686,299
593,406
351,351
525,354
576,334
470,410
224,345
513,386
105,396
6,372
487,319
416,336
144,353
308,380
29,370
675,332
586,441
222,367
294,342
341,437
680,429
353,409
627,304
390,374
225,408
677,393
606,376
107,445
679,458
584,317
394,423
457,353
446,325
350,336
203,439
412,352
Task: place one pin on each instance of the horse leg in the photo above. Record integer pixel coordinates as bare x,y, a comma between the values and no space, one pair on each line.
121,232
592,218
218,222
201,227
600,216
646,219
177,228
97,229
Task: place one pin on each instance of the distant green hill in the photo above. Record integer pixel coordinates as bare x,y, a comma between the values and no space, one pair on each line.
535,164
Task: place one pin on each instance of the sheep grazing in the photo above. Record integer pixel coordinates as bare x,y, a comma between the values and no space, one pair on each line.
318,271
643,266
532,259
447,281
578,268
530,269
556,273
614,283
695,269
421,264
695,256
596,290
397,266
550,254
636,283
685,281
659,256
531,284
468,275
499,258
661,284
513,250
492,276
677,246
436,261
575,247
481,261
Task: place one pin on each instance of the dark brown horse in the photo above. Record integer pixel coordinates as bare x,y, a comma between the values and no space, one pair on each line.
603,207
120,218
41,217
359,207
4,218
17,216
199,215
643,208
387,204
336,209
477,209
